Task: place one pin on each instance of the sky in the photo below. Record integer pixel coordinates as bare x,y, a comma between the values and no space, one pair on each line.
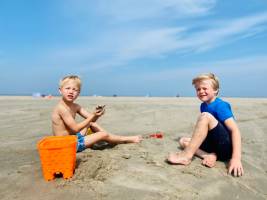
133,47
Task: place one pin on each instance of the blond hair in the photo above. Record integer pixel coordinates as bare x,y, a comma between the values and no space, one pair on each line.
66,79
208,76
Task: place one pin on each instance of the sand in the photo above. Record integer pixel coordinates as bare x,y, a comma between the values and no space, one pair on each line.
130,171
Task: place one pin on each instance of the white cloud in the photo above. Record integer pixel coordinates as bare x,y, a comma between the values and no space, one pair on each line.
226,31
151,43
168,40
148,9
128,10
244,66
123,43
123,47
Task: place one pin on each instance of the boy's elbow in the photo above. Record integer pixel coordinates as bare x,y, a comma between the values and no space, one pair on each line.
76,129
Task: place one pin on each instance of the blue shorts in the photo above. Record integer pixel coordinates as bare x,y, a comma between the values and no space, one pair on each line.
218,141
80,143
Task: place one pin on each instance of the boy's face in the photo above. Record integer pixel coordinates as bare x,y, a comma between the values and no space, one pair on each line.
70,91
205,91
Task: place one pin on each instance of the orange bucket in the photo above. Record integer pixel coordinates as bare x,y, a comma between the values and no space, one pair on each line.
58,155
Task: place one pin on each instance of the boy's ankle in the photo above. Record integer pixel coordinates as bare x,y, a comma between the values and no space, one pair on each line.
188,154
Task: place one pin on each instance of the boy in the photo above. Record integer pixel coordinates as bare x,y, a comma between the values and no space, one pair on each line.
63,118
216,134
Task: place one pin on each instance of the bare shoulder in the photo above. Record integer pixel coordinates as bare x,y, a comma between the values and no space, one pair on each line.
76,107
58,110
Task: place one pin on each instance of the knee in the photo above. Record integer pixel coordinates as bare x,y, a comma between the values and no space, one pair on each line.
205,116
208,119
184,141
92,124
104,135
181,141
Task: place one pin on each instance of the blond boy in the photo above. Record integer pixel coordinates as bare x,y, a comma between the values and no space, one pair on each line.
216,134
63,118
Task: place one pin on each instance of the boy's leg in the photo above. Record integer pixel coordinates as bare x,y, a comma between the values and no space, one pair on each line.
118,139
205,123
94,128
209,159
91,139
101,135
84,131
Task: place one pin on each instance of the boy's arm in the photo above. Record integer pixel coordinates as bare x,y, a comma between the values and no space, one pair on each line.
235,164
85,114
72,124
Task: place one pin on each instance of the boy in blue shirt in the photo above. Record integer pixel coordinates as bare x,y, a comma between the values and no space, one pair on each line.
216,134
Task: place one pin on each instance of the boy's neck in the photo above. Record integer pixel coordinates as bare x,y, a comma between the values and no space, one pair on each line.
212,100
67,103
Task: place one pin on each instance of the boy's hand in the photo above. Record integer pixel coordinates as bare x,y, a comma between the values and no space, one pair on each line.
235,167
100,110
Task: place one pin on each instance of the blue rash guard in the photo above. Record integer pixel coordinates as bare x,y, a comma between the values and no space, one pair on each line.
220,109
218,140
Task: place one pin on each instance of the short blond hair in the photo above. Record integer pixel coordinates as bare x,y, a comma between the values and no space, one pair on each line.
208,76
66,79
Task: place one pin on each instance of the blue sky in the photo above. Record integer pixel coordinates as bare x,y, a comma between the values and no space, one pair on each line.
133,47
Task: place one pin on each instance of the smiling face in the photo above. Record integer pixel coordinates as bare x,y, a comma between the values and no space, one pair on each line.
205,91
70,90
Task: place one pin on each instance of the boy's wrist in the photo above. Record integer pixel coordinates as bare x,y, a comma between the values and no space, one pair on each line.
236,157
95,116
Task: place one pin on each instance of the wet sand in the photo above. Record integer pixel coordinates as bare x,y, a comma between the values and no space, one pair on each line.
130,171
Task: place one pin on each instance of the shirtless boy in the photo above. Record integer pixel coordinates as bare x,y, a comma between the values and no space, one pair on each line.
63,118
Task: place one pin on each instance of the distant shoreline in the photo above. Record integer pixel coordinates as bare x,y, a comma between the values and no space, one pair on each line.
150,96
119,97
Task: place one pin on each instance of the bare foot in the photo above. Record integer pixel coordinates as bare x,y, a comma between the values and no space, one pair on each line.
209,160
179,158
135,139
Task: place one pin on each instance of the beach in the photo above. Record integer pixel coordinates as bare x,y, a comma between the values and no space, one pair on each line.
130,171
